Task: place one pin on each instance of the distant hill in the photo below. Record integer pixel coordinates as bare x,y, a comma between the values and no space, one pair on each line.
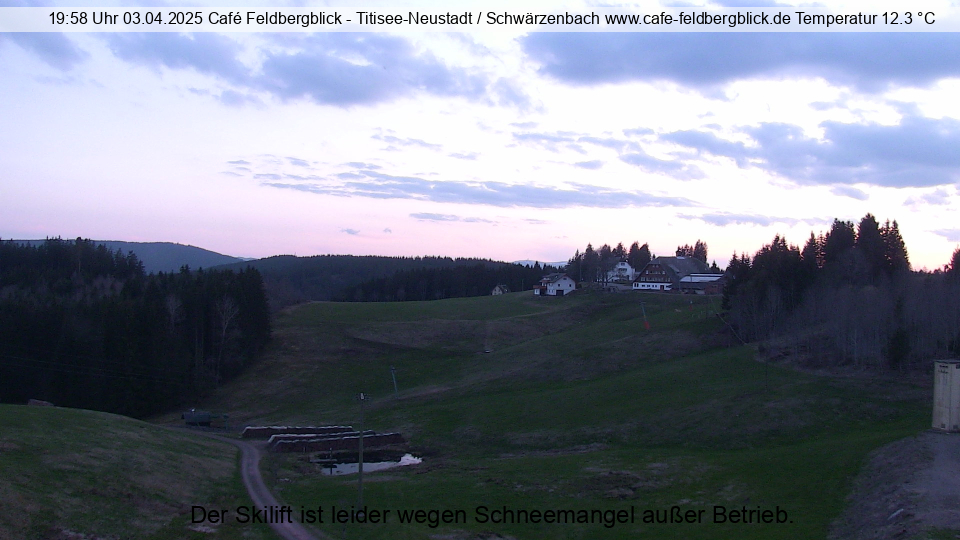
292,280
163,256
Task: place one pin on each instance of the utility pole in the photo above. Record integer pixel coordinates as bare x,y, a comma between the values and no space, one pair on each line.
362,397
393,373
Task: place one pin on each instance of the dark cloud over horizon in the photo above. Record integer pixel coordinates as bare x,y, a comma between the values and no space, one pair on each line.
868,61
917,152
329,68
53,48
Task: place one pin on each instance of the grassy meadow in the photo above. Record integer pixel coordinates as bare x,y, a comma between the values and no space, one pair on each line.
76,474
568,403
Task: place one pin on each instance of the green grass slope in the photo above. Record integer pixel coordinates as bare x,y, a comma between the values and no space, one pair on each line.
577,407
69,473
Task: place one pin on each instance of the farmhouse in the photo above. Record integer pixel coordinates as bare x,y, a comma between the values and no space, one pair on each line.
500,289
622,272
680,274
555,285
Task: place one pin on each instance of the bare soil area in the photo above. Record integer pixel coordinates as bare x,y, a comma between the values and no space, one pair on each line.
906,490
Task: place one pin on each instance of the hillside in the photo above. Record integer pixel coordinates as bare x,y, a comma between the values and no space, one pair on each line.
577,406
72,474
163,256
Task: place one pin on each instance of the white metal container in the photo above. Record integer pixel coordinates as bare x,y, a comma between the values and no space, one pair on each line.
946,395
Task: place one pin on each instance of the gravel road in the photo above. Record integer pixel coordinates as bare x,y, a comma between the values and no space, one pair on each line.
250,472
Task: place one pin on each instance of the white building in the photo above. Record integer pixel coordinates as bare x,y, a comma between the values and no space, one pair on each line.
555,285
622,272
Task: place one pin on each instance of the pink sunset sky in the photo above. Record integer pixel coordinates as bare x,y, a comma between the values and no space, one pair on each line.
501,145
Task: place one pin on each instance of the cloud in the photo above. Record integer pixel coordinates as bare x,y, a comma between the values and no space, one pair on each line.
952,235
388,230
207,53
707,142
267,176
391,139
54,48
591,165
506,92
468,156
707,60
297,162
237,99
722,219
636,132
574,141
239,162
939,197
917,152
675,168
620,145
361,165
628,151
848,191
548,140
377,185
352,232
342,69
364,68
426,216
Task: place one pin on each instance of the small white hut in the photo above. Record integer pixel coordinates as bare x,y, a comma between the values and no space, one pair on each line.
946,395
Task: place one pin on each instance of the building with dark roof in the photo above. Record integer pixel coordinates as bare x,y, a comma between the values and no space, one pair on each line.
681,274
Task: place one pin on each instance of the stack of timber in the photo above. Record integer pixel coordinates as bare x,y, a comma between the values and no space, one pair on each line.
336,443
264,432
274,440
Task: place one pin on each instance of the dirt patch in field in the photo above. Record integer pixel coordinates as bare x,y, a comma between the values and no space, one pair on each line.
906,488
467,335
634,484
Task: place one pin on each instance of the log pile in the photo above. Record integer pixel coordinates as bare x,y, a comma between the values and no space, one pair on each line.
338,442
264,432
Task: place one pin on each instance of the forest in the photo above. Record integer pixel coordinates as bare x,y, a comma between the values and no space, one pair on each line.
81,326
293,280
847,297
477,279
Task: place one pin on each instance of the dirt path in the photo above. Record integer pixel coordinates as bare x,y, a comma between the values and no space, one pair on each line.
906,487
250,472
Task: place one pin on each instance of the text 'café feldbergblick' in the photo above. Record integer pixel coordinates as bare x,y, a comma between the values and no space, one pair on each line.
411,18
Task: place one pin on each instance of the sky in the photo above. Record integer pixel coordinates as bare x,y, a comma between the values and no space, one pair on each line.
502,145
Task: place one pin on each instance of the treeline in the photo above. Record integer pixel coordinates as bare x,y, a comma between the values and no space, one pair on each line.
594,264
847,297
438,283
82,326
292,280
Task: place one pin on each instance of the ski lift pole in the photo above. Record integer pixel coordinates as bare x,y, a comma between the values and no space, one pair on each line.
393,373
362,397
